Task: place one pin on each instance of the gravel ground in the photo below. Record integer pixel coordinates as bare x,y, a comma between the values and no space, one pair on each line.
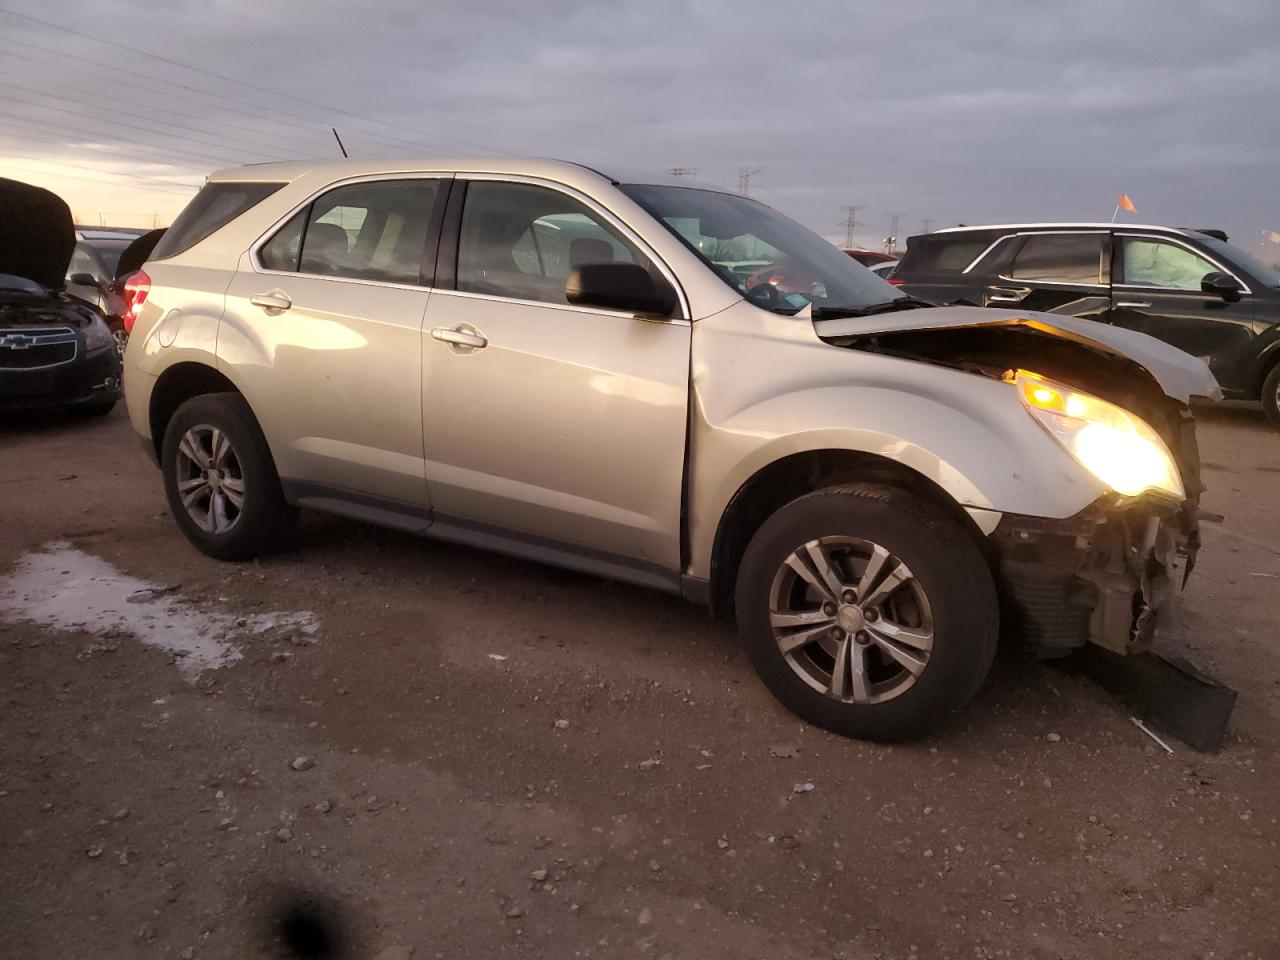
443,753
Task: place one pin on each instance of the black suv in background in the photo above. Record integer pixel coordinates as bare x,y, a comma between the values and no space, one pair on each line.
1189,288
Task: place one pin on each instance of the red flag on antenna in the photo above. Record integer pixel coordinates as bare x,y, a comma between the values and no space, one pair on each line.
1124,203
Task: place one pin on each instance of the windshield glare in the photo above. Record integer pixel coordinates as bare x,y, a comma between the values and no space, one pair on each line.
770,259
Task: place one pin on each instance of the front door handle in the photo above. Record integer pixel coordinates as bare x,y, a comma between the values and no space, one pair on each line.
271,301
1007,294
1135,304
461,337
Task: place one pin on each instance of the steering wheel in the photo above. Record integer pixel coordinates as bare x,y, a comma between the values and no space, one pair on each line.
765,295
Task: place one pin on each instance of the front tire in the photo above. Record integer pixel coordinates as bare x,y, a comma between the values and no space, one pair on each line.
1271,396
221,481
867,612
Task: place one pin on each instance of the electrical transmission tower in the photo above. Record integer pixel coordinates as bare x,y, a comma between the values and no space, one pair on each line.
744,179
924,225
682,171
849,224
891,241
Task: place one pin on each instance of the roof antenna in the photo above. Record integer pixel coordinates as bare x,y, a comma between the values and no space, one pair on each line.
339,139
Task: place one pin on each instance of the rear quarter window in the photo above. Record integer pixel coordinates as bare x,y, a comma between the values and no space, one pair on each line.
936,256
216,205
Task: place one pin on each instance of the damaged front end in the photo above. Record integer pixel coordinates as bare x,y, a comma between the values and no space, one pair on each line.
1109,574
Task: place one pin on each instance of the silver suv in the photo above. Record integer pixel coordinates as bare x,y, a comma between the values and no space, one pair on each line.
675,387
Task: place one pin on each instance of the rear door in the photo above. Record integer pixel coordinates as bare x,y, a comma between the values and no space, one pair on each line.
548,423
322,326
1065,272
1158,293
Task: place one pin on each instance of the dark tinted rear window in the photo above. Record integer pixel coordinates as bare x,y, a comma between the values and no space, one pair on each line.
942,254
212,208
1063,258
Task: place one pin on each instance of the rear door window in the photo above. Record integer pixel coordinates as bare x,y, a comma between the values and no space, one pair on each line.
216,205
364,231
1080,258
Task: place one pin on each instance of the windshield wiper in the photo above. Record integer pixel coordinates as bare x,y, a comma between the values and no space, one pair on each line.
888,306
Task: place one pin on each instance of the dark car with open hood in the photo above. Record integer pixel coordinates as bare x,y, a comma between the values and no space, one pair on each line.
56,350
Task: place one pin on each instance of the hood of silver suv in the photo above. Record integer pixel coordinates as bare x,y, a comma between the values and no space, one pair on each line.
1179,374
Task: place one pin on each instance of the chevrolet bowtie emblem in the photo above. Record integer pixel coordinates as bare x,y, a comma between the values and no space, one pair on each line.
17,341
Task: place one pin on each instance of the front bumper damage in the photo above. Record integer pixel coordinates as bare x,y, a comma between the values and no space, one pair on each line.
1107,576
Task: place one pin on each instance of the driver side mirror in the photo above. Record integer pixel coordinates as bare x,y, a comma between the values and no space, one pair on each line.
83,280
618,286
1223,284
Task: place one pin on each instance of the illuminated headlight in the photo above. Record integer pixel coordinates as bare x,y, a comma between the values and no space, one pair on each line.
97,335
1118,448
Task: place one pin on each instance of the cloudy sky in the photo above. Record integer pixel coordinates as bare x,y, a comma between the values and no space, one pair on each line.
947,112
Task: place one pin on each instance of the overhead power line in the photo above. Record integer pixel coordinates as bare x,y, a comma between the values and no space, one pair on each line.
72,176
220,100
4,98
90,101
112,173
94,136
257,88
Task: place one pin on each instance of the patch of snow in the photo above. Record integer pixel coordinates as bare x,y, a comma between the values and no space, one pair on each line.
68,589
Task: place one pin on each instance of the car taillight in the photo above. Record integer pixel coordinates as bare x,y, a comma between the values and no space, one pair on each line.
895,281
136,287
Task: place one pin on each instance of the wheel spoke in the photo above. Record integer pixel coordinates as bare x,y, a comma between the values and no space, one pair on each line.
190,449
822,564
218,512
840,679
234,497
917,638
875,564
914,661
792,642
800,562
218,447
895,578
192,484
804,618
233,483
194,493
858,680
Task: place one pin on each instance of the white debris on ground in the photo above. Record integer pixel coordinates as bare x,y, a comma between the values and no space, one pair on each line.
68,589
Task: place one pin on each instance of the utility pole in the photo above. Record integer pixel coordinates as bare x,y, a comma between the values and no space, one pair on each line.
925,225
682,171
891,241
744,179
849,224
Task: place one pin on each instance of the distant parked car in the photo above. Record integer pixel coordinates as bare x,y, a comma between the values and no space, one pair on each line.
869,257
885,270
1190,288
98,267
56,349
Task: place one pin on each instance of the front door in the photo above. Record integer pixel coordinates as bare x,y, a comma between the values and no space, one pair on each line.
1158,293
552,424
325,331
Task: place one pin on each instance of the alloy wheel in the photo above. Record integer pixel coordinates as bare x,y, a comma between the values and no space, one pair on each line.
851,619
210,479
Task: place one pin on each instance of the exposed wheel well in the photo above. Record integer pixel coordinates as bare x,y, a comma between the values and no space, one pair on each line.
784,480
1269,362
175,387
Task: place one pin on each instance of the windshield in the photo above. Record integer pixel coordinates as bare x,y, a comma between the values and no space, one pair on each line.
771,260
1262,272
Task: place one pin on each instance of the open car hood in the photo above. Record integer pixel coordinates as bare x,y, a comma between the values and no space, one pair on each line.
1179,374
37,235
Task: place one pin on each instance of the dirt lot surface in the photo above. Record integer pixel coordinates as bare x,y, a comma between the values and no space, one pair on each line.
505,760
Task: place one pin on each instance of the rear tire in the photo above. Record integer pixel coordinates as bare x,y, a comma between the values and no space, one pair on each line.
221,481
903,629
1271,396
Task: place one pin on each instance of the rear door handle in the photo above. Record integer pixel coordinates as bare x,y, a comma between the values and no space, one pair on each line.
460,337
271,301
1135,304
